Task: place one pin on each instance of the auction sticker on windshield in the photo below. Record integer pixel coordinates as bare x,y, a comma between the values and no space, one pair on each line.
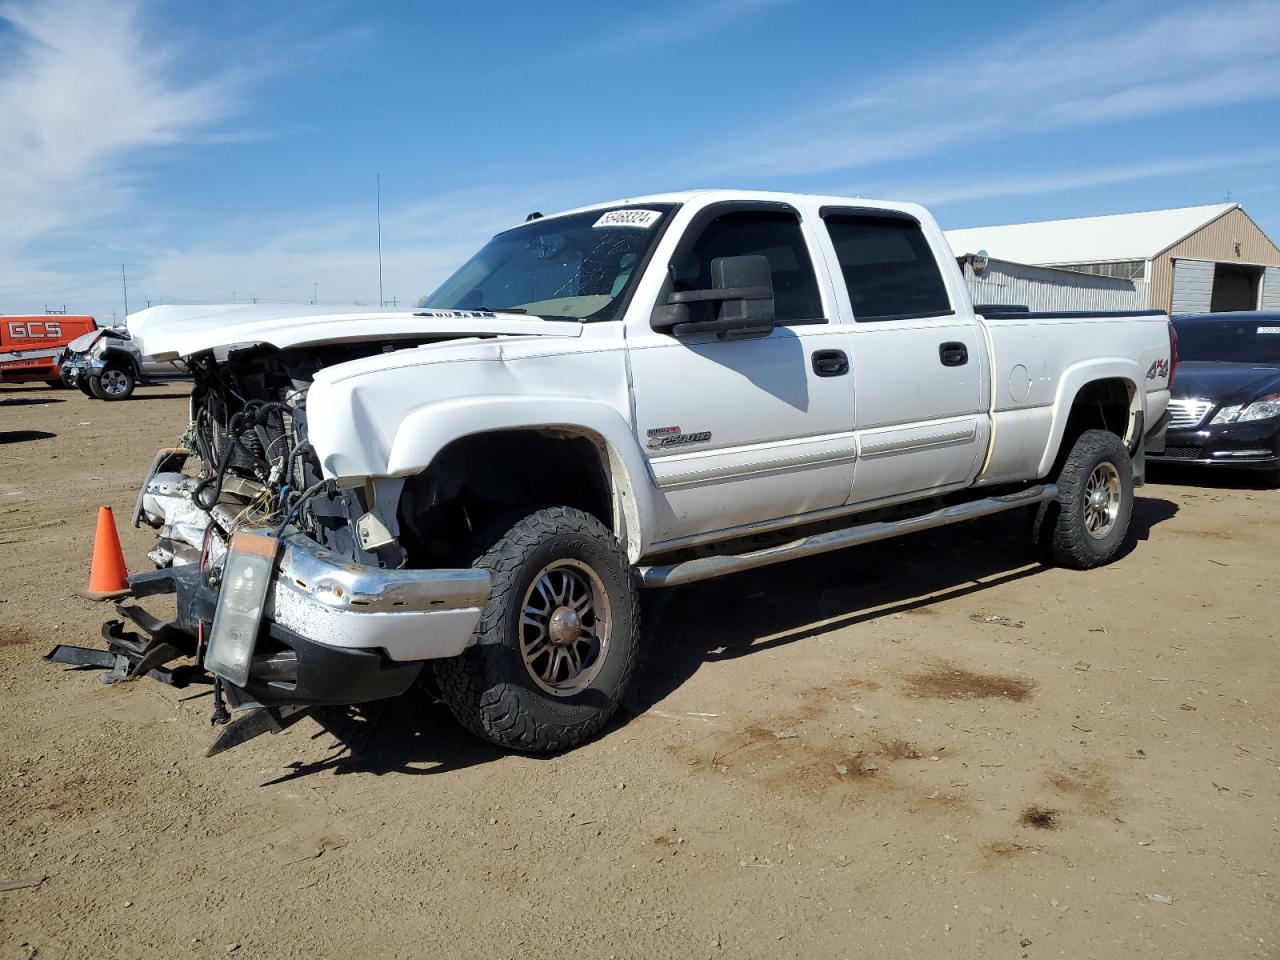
628,218
1269,329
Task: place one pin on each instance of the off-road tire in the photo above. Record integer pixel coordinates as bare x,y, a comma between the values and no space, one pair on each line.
1059,528
83,385
130,381
488,688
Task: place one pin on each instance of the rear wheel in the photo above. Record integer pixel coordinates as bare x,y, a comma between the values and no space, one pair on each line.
114,383
558,640
1087,524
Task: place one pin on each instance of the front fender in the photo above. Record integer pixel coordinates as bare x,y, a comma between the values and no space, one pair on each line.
116,355
428,430
1076,378
408,446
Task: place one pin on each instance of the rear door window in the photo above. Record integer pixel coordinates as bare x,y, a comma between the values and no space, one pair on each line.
888,267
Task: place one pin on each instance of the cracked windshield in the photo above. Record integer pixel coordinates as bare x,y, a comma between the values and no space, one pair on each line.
575,267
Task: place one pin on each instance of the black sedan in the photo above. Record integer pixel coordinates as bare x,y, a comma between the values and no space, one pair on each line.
1225,409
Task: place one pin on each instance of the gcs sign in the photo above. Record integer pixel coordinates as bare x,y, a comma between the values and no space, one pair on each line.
35,329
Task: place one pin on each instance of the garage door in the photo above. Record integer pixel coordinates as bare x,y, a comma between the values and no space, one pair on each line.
1192,286
1271,289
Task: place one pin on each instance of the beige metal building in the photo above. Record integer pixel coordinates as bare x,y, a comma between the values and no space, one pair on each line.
1190,259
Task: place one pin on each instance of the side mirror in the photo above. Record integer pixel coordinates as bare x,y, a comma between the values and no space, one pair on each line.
740,298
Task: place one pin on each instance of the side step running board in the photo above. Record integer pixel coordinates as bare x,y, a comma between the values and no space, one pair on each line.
704,568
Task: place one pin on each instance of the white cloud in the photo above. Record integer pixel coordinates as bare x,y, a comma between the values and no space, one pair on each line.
80,92
423,242
1088,66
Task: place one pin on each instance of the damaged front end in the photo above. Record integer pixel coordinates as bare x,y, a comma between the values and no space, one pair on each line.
288,590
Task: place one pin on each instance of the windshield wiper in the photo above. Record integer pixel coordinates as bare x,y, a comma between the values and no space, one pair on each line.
481,309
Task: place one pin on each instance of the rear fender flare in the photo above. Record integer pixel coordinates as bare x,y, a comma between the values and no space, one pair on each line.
1075,379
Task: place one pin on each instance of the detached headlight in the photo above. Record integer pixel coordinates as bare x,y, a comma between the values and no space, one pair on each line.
1264,408
245,578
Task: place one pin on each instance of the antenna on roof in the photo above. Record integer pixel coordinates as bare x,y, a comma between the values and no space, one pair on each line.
381,302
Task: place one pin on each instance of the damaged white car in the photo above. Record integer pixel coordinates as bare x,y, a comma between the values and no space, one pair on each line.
638,394
106,364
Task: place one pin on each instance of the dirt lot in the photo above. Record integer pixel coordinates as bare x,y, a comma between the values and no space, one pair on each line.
924,748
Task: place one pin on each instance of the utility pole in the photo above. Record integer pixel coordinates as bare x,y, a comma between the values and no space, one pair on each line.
381,301
124,285
315,291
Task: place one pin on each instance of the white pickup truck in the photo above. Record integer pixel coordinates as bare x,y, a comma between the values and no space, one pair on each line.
635,394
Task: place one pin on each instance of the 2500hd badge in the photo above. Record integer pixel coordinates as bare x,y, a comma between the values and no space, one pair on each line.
672,437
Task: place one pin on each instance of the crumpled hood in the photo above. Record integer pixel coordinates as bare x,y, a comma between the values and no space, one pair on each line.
171,332
84,342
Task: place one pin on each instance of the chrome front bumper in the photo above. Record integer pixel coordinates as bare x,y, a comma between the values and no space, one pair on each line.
323,597
408,614
74,368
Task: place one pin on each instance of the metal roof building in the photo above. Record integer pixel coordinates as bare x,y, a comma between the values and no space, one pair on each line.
1192,259
1047,288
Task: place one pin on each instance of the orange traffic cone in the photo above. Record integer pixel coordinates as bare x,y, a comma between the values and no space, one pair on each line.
107,576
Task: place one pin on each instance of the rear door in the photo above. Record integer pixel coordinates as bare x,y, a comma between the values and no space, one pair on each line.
919,357
1192,286
744,431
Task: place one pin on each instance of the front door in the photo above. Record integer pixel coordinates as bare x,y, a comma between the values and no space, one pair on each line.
739,432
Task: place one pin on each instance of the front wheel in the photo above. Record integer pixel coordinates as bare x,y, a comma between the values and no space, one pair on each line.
1087,524
114,383
558,640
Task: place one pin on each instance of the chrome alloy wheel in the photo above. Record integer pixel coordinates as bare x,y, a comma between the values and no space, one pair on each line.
564,627
114,382
1102,500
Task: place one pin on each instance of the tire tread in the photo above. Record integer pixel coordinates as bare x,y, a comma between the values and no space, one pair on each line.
1059,529
496,711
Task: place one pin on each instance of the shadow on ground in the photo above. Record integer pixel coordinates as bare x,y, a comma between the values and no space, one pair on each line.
22,436
776,606
21,401
412,734
735,616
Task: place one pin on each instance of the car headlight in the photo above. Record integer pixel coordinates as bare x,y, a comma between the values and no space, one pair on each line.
1264,408
238,615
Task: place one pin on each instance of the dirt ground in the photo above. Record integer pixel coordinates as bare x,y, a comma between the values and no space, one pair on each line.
924,748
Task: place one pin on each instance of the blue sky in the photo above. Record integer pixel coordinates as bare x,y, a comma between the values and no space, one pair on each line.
230,150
